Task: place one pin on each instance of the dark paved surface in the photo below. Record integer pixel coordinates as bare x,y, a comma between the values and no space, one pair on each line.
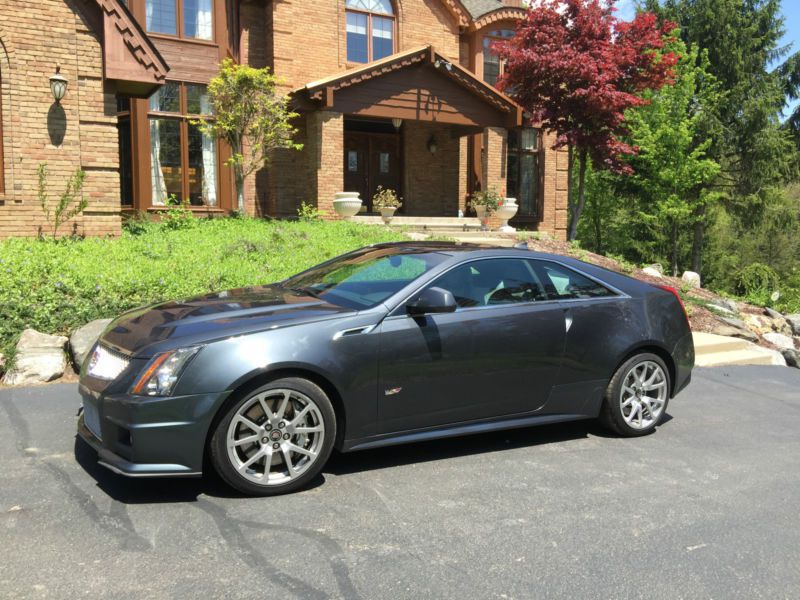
708,507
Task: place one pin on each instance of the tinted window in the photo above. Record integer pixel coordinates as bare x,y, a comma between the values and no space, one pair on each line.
492,282
364,278
562,283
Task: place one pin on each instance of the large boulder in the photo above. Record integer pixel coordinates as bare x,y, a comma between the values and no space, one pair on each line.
794,323
792,357
725,305
656,267
758,323
779,340
652,272
39,358
82,340
736,332
692,278
738,323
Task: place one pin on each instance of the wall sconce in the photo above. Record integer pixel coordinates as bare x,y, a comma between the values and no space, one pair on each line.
58,85
397,123
432,145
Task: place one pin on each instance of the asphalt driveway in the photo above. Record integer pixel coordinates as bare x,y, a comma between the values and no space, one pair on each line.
708,507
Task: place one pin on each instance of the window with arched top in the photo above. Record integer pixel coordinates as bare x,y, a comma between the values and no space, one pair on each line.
492,65
370,30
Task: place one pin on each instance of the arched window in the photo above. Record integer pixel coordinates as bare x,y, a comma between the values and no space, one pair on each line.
370,30
492,65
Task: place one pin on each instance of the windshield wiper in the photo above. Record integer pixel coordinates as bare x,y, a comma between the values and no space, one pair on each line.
307,291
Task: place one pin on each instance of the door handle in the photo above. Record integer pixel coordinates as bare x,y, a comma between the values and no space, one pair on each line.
567,319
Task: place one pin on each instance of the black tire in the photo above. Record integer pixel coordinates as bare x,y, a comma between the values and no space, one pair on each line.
611,414
222,462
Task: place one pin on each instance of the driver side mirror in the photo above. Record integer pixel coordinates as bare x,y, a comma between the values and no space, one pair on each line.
431,301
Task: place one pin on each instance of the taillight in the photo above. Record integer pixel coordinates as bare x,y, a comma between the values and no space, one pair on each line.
674,292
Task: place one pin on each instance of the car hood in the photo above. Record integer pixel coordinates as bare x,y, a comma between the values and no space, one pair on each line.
148,330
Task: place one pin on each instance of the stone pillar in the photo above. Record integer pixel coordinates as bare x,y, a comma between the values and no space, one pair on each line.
325,152
562,194
495,155
463,172
553,219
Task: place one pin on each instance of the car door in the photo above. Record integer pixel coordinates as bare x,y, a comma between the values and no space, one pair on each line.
596,319
498,354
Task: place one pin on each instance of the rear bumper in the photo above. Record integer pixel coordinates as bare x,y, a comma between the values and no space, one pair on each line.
683,357
148,437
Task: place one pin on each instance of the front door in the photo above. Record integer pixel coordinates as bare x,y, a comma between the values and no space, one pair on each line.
371,160
499,354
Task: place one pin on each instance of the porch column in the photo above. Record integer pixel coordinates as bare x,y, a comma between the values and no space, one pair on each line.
463,172
494,163
326,155
553,219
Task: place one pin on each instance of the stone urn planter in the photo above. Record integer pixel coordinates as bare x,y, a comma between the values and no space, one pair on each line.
387,213
483,216
506,211
347,204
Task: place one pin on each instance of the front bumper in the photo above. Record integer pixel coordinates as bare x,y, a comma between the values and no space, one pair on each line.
148,437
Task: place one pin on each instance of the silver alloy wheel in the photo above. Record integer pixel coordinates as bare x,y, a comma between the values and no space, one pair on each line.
275,436
643,395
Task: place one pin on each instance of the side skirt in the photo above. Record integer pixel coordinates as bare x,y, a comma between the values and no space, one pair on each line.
420,435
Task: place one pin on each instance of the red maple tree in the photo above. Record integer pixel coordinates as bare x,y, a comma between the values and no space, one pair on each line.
575,68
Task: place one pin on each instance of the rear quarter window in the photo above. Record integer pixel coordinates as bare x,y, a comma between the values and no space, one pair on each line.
562,283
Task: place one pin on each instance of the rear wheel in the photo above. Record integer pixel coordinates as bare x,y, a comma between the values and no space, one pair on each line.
637,396
274,439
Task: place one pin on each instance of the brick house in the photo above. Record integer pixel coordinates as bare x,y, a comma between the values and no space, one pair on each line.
395,93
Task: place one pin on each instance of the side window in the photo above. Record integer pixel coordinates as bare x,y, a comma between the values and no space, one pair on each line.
562,283
492,282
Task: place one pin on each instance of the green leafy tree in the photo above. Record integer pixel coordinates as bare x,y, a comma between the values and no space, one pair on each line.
251,116
672,170
755,152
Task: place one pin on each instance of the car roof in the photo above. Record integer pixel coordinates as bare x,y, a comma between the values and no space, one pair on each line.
466,251
460,249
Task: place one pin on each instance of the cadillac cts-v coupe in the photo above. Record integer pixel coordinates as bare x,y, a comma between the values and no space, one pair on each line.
388,344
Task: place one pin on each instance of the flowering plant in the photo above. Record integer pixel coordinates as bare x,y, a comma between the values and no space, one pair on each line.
386,198
488,198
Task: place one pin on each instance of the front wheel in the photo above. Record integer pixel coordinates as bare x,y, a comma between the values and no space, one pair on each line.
274,439
637,396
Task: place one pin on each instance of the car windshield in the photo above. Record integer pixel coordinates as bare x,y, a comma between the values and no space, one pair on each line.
364,278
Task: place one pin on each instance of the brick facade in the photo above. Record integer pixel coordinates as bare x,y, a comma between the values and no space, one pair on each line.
432,182
81,133
301,42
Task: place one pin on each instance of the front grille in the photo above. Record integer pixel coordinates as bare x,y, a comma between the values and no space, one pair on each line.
91,418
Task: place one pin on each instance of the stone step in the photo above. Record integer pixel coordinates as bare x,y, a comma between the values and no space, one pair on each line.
491,241
708,343
424,223
717,350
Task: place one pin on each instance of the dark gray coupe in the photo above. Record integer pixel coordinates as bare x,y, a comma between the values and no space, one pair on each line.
384,345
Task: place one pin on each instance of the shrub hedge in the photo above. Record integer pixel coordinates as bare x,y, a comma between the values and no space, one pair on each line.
57,286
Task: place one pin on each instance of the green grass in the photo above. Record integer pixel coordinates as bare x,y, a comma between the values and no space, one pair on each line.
55,287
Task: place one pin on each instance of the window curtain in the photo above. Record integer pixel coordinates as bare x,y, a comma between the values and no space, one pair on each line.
159,185
204,21
209,160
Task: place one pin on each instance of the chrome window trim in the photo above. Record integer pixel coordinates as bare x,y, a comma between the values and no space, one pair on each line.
618,294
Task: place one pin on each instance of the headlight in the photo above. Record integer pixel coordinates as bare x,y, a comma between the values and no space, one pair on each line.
106,364
163,371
